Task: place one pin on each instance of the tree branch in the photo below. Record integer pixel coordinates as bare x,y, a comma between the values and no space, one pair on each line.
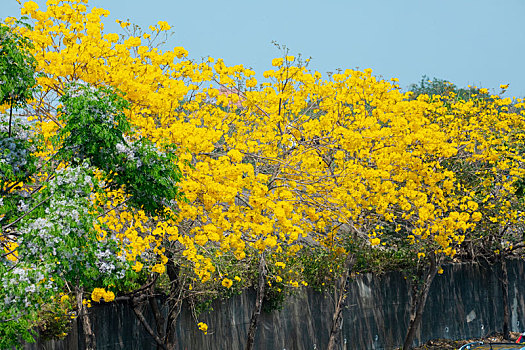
146,325
25,214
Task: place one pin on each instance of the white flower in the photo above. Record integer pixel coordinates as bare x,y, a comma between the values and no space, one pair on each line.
23,206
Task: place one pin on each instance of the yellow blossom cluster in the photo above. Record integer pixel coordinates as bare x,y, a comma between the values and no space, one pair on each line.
100,293
203,327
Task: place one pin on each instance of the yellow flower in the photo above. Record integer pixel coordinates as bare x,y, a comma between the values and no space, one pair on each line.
132,41
203,327
29,7
138,266
97,294
109,296
10,249
10,20
235,156
158,268
375,241
476,216
111,37
270,241
472,205
251,82
227,283
163,25
277,62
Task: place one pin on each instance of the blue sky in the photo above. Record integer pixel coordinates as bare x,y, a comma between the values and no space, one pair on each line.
478,42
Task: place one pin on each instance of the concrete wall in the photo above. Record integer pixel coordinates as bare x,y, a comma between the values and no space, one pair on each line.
464,302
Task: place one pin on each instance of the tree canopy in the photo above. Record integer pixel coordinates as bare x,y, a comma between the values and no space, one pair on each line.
145,171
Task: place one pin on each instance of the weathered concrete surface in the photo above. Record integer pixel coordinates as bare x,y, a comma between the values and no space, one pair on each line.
464,302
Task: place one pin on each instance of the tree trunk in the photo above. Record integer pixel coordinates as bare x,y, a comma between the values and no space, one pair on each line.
164,329
159,320
337,320
173,303
89,336
505,291
420,301
258,305
146,325
10,118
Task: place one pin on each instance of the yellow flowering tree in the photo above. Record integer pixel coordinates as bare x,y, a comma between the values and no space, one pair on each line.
268,169
485,170
489,168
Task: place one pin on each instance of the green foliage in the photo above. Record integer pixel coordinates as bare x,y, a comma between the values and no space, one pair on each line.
94,123
56,243
520,188
201,294
444,88
17,67
96,129
152,180
377,260
274,296
321,267
57,246
17,84
13,331
202,304
17,160
55,319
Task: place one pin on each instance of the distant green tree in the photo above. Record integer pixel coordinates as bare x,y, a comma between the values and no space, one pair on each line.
444,88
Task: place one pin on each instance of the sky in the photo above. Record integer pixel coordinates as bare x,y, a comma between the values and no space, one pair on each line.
468,42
